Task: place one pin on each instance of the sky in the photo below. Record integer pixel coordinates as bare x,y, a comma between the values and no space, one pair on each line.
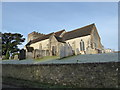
47,17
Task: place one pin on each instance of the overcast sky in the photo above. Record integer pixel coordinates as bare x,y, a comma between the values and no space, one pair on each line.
49,17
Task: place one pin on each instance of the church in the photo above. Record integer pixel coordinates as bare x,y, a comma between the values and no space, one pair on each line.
84,40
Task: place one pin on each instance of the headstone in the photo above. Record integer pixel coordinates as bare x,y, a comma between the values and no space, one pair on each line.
62,51
70,51
3,56
10,58
22,54
47,53
16,57
65,50
29,55
38,53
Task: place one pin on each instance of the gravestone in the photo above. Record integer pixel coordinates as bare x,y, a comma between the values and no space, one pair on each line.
3,56
29,55
47,53
10,58
65,50
70,51
22,54
16,57
62,51
38,53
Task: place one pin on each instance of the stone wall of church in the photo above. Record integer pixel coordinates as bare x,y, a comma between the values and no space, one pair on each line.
54,46
75,43
41,49
34,35
91,45
44,44
96,40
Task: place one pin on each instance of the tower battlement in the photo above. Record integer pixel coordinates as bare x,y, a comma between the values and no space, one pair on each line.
34,35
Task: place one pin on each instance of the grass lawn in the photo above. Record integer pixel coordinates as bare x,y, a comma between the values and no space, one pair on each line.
88,58
47,58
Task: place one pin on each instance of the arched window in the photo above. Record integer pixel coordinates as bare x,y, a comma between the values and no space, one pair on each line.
82,45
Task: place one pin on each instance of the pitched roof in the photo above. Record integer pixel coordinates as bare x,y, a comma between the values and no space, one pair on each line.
30,49
86,30
59,33
40,38
59,39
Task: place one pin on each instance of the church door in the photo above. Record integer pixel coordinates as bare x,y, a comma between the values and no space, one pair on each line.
53,50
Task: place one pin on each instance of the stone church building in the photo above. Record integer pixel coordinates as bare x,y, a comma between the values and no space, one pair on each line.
85,40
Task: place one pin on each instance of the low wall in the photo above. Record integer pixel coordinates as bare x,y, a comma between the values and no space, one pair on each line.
84,75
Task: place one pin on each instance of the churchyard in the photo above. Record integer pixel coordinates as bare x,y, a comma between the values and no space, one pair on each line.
89,58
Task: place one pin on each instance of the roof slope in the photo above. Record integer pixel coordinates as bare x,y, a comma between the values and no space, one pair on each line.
59,39
84,31
59,33
39,39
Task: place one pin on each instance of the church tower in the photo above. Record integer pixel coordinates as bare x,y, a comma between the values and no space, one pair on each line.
34,35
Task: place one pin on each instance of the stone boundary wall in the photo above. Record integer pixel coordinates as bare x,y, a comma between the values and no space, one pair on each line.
84,75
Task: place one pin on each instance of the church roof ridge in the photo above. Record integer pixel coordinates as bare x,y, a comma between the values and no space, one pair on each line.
81,27
58,33
41,38
83,31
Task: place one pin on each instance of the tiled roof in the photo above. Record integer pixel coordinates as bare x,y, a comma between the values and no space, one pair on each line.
59,33
40,38
30,49
59,39
68,35
78,32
